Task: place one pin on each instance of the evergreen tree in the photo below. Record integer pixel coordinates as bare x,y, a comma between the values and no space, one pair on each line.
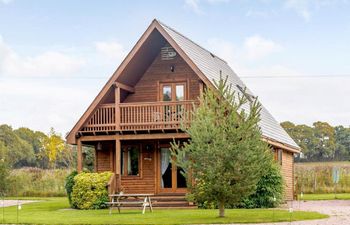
225,156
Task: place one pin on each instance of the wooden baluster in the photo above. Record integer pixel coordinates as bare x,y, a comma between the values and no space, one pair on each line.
117,107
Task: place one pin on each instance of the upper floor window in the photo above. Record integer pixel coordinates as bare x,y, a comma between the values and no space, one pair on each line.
173,92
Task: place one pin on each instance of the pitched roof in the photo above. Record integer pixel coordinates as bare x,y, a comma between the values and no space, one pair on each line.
212,66
206,65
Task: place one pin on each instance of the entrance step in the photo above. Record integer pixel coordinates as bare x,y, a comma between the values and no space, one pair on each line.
171,201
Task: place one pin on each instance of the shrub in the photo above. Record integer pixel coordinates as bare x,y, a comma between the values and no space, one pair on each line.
69,186
90,190
269,191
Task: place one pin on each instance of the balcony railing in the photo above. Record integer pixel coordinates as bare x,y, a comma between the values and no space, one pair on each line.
141,116
102,120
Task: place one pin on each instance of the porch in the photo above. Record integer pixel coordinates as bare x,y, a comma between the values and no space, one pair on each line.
138,166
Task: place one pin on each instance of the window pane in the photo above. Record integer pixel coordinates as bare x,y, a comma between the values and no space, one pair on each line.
165,168
133,161
122,162
167,93
180,92
280,155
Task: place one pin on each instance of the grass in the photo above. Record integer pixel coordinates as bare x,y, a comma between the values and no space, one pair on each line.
341,196
56,211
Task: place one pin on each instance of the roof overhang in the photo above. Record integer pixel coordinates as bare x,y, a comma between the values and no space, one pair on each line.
281,145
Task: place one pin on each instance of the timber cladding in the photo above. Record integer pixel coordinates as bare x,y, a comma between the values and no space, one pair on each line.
160,71
288,174
145,182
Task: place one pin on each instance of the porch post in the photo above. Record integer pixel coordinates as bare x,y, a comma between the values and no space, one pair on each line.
79,156
117,108
117,162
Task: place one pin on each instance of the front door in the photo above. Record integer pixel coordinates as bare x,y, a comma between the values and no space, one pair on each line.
171,176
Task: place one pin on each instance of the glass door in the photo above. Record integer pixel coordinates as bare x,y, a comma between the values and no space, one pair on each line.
171,176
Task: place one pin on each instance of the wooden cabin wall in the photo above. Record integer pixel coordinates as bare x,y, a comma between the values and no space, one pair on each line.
147,89
287,169
288,174
104,158
146,182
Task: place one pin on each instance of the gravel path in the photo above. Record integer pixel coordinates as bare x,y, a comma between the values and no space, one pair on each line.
338,210
8,203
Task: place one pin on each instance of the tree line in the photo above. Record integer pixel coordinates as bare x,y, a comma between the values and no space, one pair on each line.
320,142
24,147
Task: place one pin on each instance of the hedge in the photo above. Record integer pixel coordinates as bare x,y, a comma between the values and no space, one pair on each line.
90,190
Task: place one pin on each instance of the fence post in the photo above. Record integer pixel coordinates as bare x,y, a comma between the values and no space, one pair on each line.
315,181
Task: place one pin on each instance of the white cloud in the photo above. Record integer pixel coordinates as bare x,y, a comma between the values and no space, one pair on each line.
6,1
41,104
306,8
286,96
302,7
257,47
194,5
112,49
50,63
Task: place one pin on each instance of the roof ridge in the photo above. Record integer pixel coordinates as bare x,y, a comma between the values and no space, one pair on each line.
163,24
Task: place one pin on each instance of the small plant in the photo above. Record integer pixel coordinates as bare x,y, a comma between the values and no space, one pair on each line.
269,190
90,190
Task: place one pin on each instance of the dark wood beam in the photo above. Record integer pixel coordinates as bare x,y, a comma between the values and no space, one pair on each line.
153,136
125,87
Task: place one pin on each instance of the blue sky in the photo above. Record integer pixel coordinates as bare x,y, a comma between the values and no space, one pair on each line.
56,55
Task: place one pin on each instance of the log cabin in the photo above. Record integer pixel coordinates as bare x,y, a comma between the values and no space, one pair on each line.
133,119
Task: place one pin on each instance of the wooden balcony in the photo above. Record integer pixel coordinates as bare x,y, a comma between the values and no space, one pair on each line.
145,116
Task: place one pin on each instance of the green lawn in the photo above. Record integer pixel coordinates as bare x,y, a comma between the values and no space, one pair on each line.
56,211
341,196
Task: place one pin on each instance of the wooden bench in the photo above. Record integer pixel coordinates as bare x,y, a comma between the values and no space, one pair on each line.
119,200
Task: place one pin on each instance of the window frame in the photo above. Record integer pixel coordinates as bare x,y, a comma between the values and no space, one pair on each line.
124,158
173,85
280,156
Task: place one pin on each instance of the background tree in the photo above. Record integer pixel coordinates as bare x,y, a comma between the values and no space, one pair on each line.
225,155
325,134
35,139
4,168
342,139
53,147
19,152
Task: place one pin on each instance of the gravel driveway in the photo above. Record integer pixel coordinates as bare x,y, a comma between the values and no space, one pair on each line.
8,203
338,210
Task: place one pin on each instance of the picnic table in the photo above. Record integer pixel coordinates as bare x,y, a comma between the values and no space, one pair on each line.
121,199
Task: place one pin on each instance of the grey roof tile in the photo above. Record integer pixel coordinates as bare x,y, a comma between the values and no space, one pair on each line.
211,65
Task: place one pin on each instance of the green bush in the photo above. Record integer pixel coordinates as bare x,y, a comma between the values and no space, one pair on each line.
269,191
69,186
90,190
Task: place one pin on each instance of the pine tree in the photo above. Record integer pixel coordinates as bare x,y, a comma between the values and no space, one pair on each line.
225,156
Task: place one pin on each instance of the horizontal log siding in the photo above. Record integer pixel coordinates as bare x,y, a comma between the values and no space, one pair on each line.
103,160
146,182
147,90
288,174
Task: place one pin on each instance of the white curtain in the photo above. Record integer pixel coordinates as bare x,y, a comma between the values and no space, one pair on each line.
165,160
